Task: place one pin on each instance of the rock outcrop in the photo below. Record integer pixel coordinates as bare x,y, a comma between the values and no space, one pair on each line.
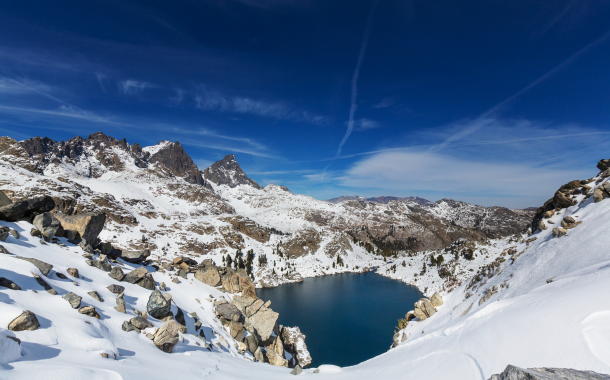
515,373
209,275
228,172
86,226
294,343
26,208
48,225
424,309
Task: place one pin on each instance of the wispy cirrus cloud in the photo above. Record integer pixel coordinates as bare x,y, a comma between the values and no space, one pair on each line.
385,102
133,87
212,100
364,124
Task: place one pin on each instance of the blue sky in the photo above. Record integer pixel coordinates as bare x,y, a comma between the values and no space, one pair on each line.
490,102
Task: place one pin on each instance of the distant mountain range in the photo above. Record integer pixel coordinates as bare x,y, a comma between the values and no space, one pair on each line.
382,199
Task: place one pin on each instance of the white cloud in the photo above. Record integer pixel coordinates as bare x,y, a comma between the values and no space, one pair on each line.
384,103
417,172
101,79
134,87
211,100
364,124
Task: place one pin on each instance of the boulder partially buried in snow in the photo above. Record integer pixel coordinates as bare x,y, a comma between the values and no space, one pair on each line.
26,321
157,306
208,275
49,225
27,208
263,321
167,336
515,373
86,226
135,256
10,347
41,265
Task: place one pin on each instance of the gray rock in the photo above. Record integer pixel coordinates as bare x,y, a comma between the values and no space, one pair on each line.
95,296
424,309
236,330
252,343
44,284
73,299
516,373
208,275
41,265
141,277
559,232
297,370
90,311
6,283
157,306
99,264
294,343
116,289
120,305
3,233
4,250
14,233
135,256
48,224
25,209
117,274
258,355
140,322
229,311
127,326
72,272
35,232
167,336
263,322
86,226
4,200
436,300
26,321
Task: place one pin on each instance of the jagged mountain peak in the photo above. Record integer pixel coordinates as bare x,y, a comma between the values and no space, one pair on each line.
228,172
98,154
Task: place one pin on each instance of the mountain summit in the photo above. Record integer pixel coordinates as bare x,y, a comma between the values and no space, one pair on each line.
228,172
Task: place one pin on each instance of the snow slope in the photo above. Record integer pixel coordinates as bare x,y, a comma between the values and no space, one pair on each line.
528,322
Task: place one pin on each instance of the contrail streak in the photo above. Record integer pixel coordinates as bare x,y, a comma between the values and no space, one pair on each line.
354,105
482,121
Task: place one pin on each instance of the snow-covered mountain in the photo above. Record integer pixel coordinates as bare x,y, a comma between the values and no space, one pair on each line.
182,210
506,296
382,199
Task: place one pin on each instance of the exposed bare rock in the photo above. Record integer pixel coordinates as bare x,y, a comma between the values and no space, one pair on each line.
208,275
515,373
26,208
305,242
86,226
436,300
26,321
90,311
73,299
424,309
228,172
49,225
249,228
559,232
157,306
6,283
135,256
167,336
41,265
294,342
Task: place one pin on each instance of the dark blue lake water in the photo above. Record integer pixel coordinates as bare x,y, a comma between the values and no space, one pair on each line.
347,318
